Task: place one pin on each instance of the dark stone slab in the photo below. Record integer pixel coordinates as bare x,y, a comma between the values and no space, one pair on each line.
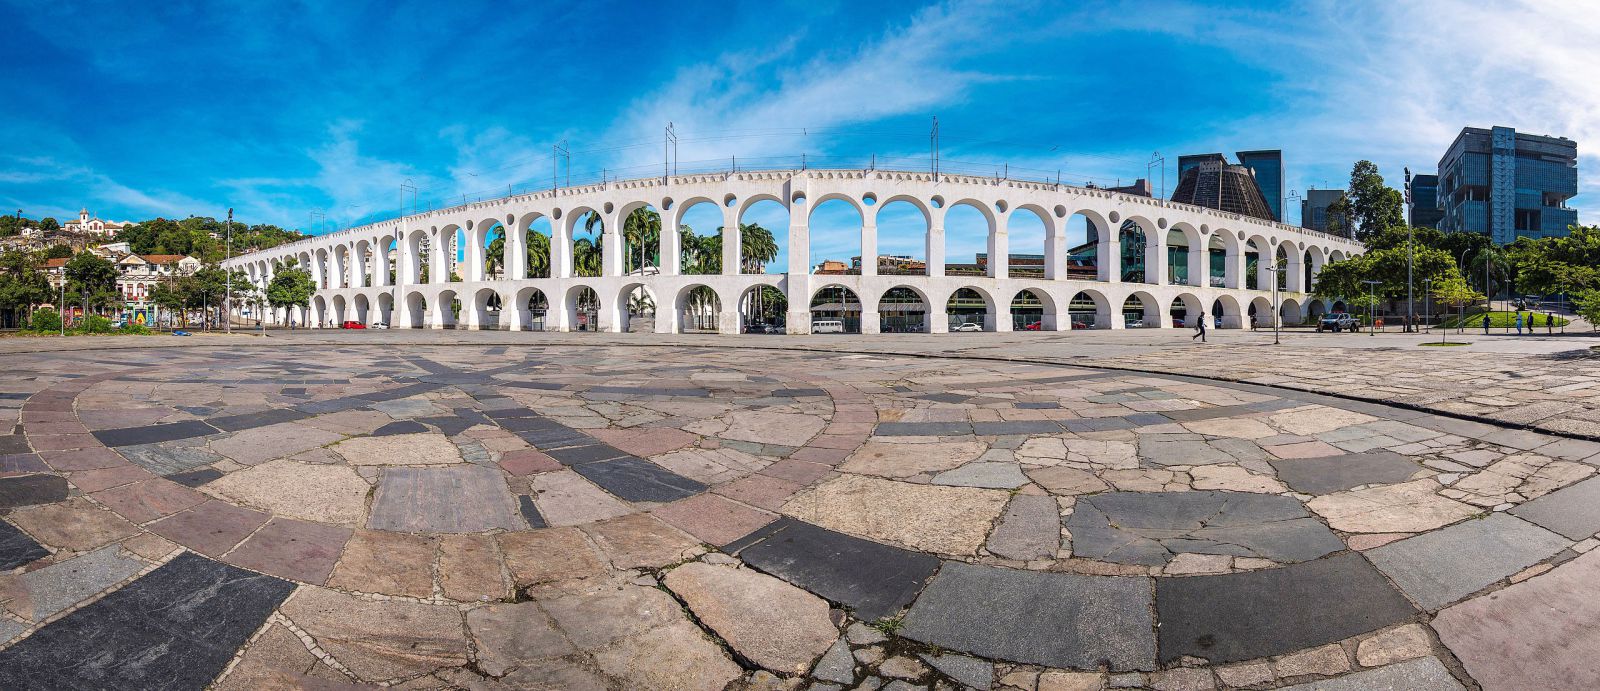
1144,419
996,429
1330,474
556,438
449,425
1573,511
874,579
944,397
690,392
22,463
1243,616
332,405
168,458
16,548
922,429
798,393
1038,405
235,423
14,444
1198,414
398,392
1054,619
636,479
530,512
1149,528
400,427
1098,424
27,490
535,385
175,628
154,434
195,478
573,455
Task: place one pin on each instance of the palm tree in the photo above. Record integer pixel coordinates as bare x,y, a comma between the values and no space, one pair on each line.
538,254
587,256
757,248
496,256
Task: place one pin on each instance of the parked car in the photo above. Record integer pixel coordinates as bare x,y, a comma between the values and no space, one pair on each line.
1135,324
378,325
968,326
827,326
1336,322
352,325
1035,326
1080,324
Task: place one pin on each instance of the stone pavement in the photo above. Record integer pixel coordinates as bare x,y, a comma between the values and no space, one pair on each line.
543,516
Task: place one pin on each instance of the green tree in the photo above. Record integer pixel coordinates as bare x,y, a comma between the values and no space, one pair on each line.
49,225
757,248
1587,304
538,245
290,286
93,280
1373,206
58,251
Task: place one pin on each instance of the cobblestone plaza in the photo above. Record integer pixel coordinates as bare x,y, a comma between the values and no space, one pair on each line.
574,511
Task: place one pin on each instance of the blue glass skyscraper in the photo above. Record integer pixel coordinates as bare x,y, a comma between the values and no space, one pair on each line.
1507,184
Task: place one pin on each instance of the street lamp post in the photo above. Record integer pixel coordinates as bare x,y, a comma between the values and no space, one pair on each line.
1427,305
1276,310
63,300
1372,304
227,278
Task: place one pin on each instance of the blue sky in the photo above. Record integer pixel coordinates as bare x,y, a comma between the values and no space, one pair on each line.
281,109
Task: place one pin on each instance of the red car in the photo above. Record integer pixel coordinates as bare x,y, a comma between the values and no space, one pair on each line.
1034,326
352,325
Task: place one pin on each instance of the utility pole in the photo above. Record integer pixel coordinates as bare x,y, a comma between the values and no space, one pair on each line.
405,187
669,154
933,143
558,155
1411,254
1156,158
227,277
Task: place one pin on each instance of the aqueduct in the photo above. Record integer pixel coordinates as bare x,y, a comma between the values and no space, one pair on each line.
428,270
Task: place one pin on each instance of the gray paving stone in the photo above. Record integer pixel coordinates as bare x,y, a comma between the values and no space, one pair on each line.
987,475
1165,450
1252,614
635,479
401,427
1331,474
154,434
873,579
1029,529
1149,528
175,628
837,665
1445,565
195,478
589,453
460,499
1421,674
1573,511
14,444
64,584
922,429
995,429
978,674
170,457
27,490
236,423
1053,619
17,549
9,630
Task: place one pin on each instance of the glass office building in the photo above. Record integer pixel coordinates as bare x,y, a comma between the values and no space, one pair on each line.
1314,208
1424,211
1268,168
1507,184
1253,186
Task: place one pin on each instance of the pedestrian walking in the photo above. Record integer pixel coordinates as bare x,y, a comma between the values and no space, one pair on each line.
1200,328
1486,321
1519,324
1252,322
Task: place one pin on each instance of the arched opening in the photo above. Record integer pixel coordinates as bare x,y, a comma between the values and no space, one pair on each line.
447,311
1339,306
1217,260
1177,257
641,240
835,227
341,264
1083,237
492,240
534,309
1185,311
486,310
1089,310
700,238
1309,265
1281,268
362,265
588,244
583,309
902,238
1032,310
385,310
1260,313
1226,313
414,259
762,309
1289,312
764,237
1314,310
968,235
835,303
636,309
337,318
415,312
969,309
455,252
1137,249
362,309
1254,270
1141,311
536,246
1025,243
699,310
903,310
319,313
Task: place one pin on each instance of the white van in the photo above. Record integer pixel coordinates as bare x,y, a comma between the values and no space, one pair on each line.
827,326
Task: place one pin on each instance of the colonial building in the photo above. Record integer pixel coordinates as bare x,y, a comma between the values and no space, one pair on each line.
137,275
86,224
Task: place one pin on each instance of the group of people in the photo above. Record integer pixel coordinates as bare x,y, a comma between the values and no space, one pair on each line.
1518,324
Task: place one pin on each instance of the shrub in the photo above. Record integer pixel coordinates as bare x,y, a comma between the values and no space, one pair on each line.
131,328
94,324
45,320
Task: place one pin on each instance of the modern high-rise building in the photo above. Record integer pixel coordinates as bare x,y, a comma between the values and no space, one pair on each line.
1314,208
1210,181
1507,184
1424,211
1268,168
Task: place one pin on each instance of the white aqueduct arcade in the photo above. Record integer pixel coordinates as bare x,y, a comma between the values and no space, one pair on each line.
375,273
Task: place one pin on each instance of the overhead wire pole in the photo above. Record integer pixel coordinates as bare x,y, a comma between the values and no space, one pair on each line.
933,143
559,154
1155,158
669,153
